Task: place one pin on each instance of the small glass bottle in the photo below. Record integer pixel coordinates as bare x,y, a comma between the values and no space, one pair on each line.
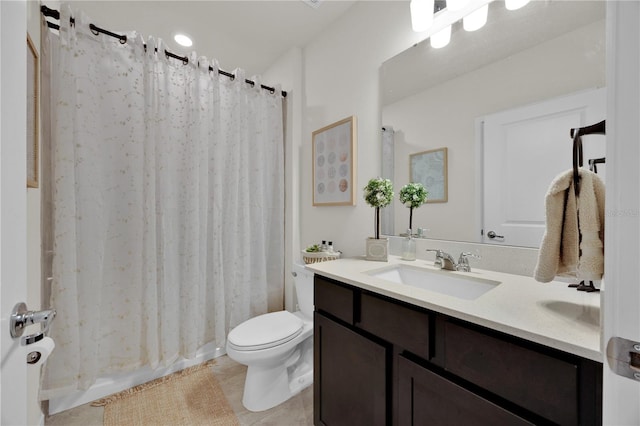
323,246
330,247
409,247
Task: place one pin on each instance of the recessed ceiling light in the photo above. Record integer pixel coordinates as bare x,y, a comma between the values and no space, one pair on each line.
183,40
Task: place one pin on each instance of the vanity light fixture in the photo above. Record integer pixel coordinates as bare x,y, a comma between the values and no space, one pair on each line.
421,14
441,38
455,5
515,4
183,40
476,19
435,20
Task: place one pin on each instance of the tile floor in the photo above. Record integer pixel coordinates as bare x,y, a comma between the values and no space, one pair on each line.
298,411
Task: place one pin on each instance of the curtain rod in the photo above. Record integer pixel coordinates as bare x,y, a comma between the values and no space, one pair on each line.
123,39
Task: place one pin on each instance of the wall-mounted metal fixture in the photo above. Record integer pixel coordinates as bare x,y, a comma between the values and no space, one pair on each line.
21,317
623,356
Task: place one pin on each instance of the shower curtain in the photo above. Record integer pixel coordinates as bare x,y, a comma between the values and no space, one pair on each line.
166,203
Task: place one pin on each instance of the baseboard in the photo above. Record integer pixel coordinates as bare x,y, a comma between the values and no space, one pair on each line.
105,386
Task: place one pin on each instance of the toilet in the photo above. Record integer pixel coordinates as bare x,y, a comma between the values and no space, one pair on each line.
277,348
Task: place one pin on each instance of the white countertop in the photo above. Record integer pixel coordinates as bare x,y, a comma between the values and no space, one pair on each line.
551,314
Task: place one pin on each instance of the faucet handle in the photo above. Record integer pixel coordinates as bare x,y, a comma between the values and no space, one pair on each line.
466,254
463,261
439,257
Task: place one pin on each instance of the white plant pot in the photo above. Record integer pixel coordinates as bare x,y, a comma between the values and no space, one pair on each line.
377,249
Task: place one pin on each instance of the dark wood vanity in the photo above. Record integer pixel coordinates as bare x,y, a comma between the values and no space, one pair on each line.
380,361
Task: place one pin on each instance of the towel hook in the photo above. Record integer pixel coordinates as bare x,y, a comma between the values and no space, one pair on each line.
577,162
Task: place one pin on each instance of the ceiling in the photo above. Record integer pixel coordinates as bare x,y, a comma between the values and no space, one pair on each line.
240,34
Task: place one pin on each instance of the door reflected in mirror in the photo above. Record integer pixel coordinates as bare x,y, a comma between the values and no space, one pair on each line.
438,97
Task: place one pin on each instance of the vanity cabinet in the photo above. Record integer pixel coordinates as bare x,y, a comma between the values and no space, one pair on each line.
427,398
382,361
352,371
349,367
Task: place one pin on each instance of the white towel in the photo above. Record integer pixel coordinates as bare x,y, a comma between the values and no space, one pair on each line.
561,252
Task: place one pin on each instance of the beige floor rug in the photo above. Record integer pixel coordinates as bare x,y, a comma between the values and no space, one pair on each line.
188,397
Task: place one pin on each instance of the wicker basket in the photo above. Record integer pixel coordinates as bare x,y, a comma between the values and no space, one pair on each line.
319,256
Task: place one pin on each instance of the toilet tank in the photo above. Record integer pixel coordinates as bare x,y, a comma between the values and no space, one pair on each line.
303,279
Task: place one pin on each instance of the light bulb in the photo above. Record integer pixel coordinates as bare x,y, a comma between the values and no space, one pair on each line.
455,5
441,38
515,4
476,19
183,40
421,14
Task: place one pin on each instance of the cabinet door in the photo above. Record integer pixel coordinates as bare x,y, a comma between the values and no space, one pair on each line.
540,382
425,398
349,376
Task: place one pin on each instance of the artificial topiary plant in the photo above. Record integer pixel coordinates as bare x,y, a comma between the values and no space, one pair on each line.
413,195
378,193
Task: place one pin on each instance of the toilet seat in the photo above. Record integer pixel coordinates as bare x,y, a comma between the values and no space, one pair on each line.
265,331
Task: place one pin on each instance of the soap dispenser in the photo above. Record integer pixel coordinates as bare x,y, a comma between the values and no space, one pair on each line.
409,247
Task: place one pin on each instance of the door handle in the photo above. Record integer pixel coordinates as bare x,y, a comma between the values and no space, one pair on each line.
21,317
623,356
492,235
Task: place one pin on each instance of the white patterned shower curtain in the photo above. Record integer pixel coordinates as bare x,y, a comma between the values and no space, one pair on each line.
166,204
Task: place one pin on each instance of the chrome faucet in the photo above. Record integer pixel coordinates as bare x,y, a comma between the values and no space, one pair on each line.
445,261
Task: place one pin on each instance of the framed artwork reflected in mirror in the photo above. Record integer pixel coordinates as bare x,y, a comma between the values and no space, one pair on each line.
430,169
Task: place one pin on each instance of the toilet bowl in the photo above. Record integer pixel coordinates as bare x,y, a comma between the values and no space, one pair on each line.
277,348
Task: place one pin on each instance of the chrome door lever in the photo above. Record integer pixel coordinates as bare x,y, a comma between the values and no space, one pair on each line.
492,235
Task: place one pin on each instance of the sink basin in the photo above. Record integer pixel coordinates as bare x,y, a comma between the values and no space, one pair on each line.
444,282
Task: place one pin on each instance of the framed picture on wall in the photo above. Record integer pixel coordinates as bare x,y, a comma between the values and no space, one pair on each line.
334,163
32,115
430,169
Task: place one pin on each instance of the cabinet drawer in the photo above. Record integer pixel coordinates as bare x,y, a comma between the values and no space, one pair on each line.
401,325
425,398
333,298
538,382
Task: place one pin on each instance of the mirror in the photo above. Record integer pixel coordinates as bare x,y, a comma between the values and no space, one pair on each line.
434,98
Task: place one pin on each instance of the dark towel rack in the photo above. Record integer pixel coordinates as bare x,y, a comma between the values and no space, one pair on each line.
593,164
594,129
576,134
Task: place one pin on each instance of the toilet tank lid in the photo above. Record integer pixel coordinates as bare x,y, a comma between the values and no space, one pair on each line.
266,329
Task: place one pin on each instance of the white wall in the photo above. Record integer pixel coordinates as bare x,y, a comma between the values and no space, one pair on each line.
340,79
287,71
444,116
